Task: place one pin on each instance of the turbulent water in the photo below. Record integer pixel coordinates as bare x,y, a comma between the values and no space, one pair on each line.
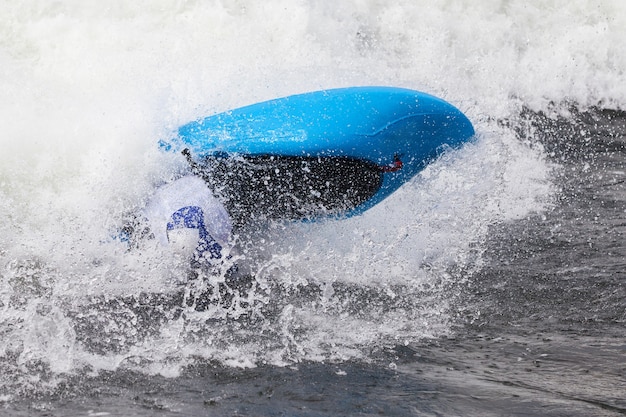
491,284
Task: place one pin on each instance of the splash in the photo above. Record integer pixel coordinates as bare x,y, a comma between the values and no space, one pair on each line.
93,87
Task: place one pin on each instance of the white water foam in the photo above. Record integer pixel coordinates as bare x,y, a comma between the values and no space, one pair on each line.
90,87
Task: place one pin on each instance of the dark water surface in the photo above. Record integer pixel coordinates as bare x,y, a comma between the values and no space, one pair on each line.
540,329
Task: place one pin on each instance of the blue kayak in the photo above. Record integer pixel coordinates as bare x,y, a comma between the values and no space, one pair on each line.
325,153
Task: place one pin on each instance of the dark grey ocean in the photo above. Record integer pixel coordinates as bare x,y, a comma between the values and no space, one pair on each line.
539,329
